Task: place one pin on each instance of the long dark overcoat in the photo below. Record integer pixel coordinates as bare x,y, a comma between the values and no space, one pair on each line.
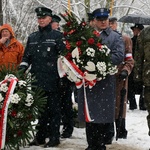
42,51
101,98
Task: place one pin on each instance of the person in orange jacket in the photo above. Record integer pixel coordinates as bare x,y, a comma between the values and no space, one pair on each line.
11,50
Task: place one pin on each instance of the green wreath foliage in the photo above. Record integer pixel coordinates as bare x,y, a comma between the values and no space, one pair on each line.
22,112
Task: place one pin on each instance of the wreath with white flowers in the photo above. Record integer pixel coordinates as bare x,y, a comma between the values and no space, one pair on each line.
85,59
20,105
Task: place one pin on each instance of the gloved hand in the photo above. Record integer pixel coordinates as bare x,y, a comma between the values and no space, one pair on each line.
123,75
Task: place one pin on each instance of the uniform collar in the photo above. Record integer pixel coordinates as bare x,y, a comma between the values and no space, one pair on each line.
107,30
46,28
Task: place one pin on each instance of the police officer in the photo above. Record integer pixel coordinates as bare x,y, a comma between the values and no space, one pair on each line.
67,114
55,22
102,94
91,19
65,90
41,53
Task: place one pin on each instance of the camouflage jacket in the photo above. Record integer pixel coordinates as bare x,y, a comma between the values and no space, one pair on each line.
142,57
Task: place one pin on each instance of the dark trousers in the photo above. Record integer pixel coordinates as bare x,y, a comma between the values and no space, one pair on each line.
66,105
131,92
96,134
49,122
135,88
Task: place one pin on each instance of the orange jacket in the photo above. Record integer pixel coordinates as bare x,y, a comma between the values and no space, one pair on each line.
13,53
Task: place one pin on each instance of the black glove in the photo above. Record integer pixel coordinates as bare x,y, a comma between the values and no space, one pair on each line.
123,75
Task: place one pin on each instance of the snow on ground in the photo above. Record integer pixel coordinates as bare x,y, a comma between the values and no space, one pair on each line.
137,139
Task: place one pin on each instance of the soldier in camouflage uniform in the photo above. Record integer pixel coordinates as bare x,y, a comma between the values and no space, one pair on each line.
142,66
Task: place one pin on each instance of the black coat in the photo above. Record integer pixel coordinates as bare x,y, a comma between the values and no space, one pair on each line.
41,52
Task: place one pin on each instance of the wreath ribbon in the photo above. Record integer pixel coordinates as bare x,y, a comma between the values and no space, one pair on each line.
4,110
83,81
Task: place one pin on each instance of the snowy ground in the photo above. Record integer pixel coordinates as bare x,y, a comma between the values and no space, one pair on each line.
137,139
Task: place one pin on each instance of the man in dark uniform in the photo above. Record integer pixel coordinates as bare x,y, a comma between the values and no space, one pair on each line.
41,53
67,113
65,95
55,22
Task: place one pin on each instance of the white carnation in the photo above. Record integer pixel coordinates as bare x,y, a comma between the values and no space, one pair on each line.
22,83
15,98
10,76
4,87
29,100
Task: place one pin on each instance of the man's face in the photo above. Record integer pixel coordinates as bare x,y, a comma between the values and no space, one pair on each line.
101,23
44,21
6,33
136,31
92,23
55,25
113,25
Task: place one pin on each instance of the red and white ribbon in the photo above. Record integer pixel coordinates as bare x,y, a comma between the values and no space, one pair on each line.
86,108
82,82
128,56
4,111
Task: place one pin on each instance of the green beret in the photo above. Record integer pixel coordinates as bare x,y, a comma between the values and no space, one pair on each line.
43,11
56,18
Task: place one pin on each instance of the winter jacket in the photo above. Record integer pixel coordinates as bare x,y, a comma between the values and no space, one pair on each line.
11,55
142,57
41,52
101,98
128,66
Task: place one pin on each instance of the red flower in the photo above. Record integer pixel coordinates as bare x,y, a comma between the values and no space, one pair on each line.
96,33
72,31
83,23
91,41
13,113
68,46
78,43
65,33
99,45
68,56
68,23
19,133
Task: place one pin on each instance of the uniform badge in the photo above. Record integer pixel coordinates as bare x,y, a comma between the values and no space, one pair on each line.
40,9
48,49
